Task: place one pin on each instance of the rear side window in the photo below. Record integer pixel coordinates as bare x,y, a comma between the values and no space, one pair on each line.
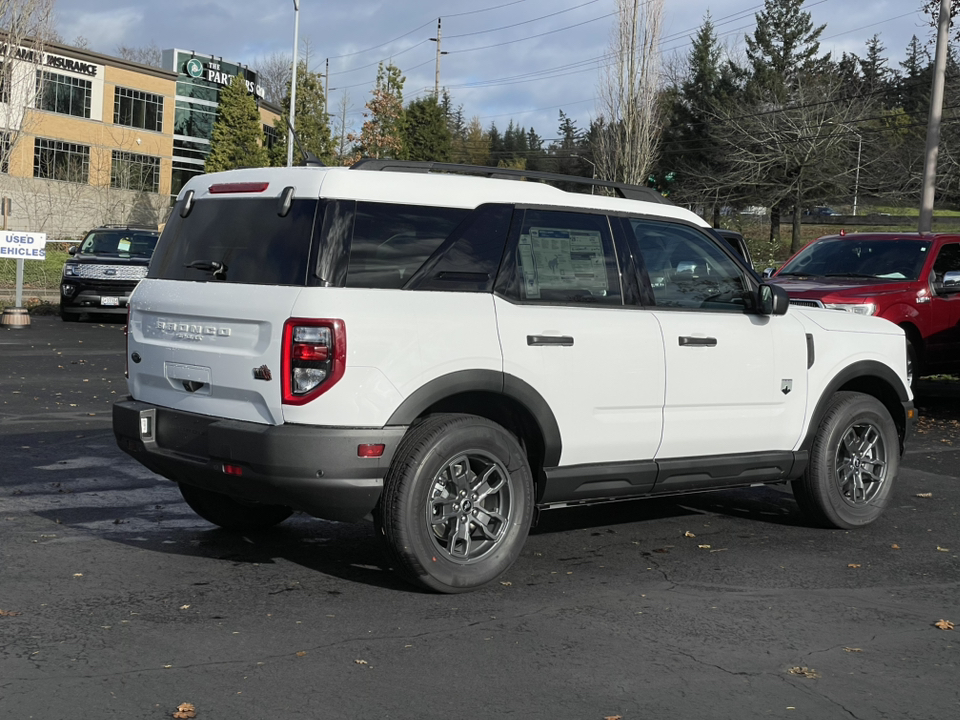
391,242
247,238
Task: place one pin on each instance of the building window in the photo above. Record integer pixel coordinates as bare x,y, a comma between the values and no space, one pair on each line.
134,108
5,150
56,160
63,94
135,172
270,136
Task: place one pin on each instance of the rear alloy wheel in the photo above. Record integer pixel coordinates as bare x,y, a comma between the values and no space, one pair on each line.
457,503
853,463
230,513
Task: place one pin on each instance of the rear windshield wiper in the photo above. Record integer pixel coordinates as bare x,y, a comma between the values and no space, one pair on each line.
216,267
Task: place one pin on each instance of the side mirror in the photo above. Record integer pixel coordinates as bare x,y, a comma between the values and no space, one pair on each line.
951,281
72,250
768,272
772,300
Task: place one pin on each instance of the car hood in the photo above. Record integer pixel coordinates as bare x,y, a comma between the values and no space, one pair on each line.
850,288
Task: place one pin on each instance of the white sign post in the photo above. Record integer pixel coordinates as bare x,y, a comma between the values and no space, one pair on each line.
20,246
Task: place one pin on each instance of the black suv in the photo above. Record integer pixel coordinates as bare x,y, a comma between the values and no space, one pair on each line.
104,269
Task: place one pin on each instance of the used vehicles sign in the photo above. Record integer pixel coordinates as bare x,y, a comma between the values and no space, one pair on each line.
23,245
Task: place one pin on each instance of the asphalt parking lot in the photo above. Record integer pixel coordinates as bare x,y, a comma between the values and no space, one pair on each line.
116,601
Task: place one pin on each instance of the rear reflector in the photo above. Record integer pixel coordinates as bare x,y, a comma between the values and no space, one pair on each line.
240,187
370,451
233,470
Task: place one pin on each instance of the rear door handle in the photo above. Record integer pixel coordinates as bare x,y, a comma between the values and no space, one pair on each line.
561,340
686,340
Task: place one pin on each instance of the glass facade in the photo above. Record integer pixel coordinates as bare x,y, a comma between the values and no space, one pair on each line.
201,78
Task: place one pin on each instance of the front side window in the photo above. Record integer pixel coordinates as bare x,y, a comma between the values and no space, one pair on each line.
130,171
686,268
138,109
948,259
63,94
567,258
56,160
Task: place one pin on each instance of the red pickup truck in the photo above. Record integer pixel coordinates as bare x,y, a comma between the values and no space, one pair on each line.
910,279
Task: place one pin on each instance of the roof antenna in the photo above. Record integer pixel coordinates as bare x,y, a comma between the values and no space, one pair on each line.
309,159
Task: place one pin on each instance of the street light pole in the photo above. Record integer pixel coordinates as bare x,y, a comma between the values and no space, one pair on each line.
293,81
933,124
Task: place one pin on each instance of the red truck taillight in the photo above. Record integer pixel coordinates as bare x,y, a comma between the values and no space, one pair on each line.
313,359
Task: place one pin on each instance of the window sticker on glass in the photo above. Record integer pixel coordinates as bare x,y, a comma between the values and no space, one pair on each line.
563,259
124,245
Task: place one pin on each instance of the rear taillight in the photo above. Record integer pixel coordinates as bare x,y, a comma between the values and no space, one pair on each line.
314,358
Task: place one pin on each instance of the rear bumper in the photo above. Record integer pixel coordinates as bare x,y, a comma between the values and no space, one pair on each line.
308,468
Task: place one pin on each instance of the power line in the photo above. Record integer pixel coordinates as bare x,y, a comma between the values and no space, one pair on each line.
525,22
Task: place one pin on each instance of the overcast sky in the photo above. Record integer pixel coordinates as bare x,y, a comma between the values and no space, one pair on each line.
508,59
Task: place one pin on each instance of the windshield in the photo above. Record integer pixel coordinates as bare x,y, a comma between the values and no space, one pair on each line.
120,243
844,257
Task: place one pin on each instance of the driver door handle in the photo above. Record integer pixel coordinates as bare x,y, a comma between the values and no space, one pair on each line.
686,340
561,340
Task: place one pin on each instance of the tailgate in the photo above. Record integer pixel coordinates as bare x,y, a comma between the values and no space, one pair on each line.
209,348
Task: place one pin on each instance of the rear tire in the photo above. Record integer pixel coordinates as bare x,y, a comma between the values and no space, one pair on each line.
853,463
230,513
457,503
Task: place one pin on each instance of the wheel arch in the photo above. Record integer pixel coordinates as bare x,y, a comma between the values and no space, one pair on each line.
870,378
500,397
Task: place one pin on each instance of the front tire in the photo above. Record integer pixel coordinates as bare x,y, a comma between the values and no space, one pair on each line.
457,503
853,463
230,513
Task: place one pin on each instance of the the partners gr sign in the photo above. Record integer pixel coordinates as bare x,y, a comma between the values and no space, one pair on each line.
23,245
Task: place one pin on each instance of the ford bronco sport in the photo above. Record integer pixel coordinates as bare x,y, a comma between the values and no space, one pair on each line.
448,355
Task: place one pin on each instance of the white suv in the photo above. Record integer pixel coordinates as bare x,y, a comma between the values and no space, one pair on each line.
448,355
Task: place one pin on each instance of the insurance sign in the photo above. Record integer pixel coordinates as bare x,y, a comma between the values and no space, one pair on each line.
18,245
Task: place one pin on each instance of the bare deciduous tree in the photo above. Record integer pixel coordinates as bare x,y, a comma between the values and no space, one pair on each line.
273,73
145,55
628,93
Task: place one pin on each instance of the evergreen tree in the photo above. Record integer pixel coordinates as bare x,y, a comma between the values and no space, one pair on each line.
311,120
238,132
784,47
876,74
915,80
426,134
496,145
383,131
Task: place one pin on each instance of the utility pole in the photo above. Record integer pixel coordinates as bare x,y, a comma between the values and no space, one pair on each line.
326,82
436,83
933,125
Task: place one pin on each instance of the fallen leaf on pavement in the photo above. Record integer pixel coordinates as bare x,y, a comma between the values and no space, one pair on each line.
941,549
8,613
506,583
895,546
688,534
184,607
613,717
805,671
853,649
924,495
185,710
705,547
361,662
301,653
853,565
944,624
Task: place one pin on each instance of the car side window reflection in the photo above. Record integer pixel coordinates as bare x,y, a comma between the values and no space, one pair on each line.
687,269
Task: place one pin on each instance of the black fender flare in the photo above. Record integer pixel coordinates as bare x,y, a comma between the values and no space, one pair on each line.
490,381
863,368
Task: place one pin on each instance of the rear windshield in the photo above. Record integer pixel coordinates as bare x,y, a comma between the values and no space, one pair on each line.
237,240
884,259
120,243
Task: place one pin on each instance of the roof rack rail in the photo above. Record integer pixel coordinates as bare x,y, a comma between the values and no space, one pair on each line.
129,226
624,190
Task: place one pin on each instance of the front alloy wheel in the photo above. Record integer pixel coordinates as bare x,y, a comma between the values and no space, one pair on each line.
853,463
